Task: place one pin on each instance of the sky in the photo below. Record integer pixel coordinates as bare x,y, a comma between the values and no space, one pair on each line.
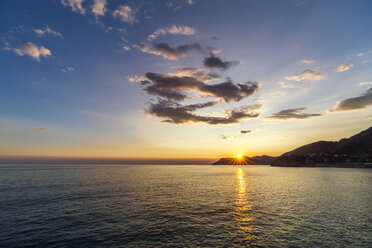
181,79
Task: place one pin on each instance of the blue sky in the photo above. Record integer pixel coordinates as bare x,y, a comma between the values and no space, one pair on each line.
74,76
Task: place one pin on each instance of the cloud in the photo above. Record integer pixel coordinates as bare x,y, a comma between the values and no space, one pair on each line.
245,131
68,69
360,54
171,86
226,137
42,130
175,113
167,52
190,2
125,13
213,51
75,5
126,48
197,73
99,7
172,6
32,50
284,84
367,117
345,67
174,29
191,83
215,62
307,75
287,114
228,91
365,83
354,103
308,61
47,30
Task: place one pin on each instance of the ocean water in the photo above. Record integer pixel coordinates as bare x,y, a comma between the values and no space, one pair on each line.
184,206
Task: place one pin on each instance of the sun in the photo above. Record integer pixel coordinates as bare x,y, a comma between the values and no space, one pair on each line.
239,155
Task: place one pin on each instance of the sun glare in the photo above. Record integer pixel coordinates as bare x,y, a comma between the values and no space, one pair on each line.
239,155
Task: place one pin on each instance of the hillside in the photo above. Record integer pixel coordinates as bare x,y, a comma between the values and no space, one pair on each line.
355,151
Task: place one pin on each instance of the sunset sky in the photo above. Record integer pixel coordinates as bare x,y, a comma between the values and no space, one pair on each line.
181,79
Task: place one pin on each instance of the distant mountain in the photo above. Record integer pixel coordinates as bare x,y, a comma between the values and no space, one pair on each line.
257,160
355,151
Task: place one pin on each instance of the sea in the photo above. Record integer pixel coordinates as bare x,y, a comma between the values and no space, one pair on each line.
184,206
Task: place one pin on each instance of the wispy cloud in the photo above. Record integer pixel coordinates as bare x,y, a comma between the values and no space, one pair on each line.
308,61
125,13
99,7
75,5
173,6
296,113
32,50
197,73
286,85
354,103
174,29
126,48
307,75
68,69
42,130
345,67
47,30
170,53
245,131
227,137
365,83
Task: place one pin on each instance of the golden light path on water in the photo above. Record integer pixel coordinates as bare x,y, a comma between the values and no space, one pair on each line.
243,210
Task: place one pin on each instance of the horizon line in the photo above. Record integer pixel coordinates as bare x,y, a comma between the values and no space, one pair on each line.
100,160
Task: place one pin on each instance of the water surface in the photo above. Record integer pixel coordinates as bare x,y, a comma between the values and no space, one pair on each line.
184,206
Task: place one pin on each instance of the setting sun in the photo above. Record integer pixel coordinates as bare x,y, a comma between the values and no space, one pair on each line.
239,155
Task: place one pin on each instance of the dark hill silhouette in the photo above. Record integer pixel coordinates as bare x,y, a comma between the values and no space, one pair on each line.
257,160
355,151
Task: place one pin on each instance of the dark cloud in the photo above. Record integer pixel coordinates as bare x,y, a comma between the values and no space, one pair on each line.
174,87
173,112
245,131
169,94
296,113
170,87
355,103
215,62
170,53
162,81
229,91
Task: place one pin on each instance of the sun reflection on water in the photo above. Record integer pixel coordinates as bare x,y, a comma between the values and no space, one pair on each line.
243,210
